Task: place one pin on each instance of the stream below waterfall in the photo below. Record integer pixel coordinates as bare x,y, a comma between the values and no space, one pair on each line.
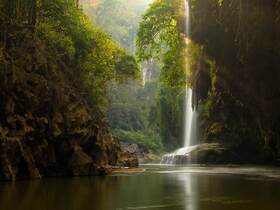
159,187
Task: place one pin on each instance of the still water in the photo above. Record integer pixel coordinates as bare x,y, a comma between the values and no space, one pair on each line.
159,188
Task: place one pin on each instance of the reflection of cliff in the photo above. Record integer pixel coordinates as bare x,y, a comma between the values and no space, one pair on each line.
237,79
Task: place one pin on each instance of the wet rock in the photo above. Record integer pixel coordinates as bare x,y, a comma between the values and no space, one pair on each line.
128,160
129,156
208,153
142,154
131,148
213,153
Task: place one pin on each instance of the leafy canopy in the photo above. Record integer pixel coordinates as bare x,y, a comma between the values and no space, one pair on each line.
160,36
69,40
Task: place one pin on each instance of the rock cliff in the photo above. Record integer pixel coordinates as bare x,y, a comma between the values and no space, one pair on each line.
48,127
236,78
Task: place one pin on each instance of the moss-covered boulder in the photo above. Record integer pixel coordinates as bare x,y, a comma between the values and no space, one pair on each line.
213,153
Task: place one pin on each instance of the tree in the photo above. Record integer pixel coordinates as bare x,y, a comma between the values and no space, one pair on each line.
119,18
160,37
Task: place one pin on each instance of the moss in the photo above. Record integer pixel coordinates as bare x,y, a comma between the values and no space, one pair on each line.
213,73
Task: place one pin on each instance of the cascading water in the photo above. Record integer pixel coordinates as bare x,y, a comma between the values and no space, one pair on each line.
189,116
180,155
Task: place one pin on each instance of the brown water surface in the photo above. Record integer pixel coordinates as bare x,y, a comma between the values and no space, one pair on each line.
158,188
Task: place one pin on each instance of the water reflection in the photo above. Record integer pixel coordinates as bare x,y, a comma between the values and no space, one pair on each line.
153,190
188,183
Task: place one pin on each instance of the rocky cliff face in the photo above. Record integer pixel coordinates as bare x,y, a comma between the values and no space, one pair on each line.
236,79
47,126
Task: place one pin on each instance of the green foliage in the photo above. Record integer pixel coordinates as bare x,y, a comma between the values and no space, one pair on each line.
119,18
171,102
98,58
213,73
151,143
132,111
59,43
70,41
127,68
160,37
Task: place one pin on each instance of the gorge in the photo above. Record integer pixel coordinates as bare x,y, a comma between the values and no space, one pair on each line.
143,104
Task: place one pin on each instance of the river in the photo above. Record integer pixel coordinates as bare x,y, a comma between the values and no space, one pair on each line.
158,188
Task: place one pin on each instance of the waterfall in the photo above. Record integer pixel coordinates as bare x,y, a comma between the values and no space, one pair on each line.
187,18
190,115
189,128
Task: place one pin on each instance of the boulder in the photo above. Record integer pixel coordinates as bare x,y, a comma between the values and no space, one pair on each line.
128,160
212,153
142,154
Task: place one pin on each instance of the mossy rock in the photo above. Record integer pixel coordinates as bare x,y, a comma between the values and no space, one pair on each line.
213,153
